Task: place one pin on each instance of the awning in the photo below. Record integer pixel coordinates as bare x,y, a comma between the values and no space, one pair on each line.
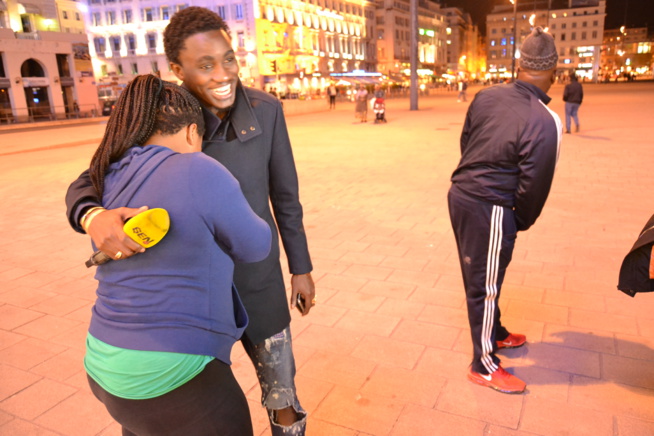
31,8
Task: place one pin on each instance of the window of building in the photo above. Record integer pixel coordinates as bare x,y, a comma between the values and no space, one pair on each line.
574,25
563,25
503,41
583,35
155,66
180,7
584,24
77,17
130,41
240,38
493,54
100,45
165,13
151,38
127,16
119,69
115,44
135,68
238,11
563,52
111,18
64,14
595,23
563,37
103,70
553,26
594,34
96,19
222,11
380,34
504,52
573,36
493,42
147,14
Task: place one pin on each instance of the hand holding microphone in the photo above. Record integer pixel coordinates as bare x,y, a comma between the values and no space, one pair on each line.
146,229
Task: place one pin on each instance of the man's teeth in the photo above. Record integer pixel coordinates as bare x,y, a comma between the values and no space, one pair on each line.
223,90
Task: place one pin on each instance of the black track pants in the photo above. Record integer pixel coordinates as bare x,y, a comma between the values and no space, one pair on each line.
485,236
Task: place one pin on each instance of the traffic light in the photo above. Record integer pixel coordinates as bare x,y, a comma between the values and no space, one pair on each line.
273,66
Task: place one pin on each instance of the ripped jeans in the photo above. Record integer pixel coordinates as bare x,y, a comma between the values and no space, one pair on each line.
275,365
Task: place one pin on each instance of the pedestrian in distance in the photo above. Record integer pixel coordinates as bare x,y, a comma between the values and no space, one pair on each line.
162,366
332,92
509,149
463,89
573,95
361,104
246,132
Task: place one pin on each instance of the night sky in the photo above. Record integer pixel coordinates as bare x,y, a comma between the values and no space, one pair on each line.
638,13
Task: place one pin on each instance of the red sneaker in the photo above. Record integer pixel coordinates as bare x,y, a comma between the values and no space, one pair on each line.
514,340
500,380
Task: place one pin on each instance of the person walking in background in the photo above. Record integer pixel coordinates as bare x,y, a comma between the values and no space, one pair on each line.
246,132
509,149
573,95
361,104
331,92
162,366
463,88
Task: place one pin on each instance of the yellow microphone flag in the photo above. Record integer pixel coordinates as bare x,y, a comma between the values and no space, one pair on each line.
149,227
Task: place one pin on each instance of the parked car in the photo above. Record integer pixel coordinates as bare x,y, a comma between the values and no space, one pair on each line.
108,107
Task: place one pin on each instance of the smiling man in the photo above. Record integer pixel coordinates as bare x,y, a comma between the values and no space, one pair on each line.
246,132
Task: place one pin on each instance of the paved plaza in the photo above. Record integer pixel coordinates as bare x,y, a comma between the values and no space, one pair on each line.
386,350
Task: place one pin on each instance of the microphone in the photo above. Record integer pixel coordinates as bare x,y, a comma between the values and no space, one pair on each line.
146,229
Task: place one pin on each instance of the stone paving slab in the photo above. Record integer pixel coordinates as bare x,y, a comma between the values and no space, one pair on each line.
385,351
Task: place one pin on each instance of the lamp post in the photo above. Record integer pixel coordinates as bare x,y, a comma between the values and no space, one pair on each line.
515,25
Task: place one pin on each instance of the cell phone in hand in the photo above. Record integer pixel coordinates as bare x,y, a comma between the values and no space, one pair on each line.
300,303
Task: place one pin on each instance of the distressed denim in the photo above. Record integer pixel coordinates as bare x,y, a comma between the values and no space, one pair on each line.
275,365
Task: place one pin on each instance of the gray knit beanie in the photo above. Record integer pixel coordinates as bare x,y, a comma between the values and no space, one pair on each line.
538,51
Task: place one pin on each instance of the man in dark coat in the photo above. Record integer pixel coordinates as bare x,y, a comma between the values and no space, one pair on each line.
246,132
573,95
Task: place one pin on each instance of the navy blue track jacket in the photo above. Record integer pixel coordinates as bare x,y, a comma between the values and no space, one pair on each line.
509,149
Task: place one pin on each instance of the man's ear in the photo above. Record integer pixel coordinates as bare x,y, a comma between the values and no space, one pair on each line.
178,71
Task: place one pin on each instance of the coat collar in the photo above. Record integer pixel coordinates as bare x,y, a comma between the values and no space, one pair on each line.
534,90
241,118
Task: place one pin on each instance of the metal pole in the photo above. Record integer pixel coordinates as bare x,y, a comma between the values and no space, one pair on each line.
413,94
515,26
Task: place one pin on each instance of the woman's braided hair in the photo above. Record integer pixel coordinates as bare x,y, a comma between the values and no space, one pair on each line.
148,105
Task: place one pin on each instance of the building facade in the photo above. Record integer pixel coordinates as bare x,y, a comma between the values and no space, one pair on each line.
45,68
290,45
393,36
465,54
577,30
626,54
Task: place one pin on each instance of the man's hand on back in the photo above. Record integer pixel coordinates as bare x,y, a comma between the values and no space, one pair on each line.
106,231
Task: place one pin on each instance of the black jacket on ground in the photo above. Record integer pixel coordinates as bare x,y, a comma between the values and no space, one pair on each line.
253,144
509,149
637,270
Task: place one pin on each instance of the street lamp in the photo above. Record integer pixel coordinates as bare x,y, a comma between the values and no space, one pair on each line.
515,25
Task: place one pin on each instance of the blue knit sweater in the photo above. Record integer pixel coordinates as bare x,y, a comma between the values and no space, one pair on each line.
178,296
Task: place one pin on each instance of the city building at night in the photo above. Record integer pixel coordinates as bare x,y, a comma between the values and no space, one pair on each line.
393,38
577,28
466,56
626,53
290,45
45,67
